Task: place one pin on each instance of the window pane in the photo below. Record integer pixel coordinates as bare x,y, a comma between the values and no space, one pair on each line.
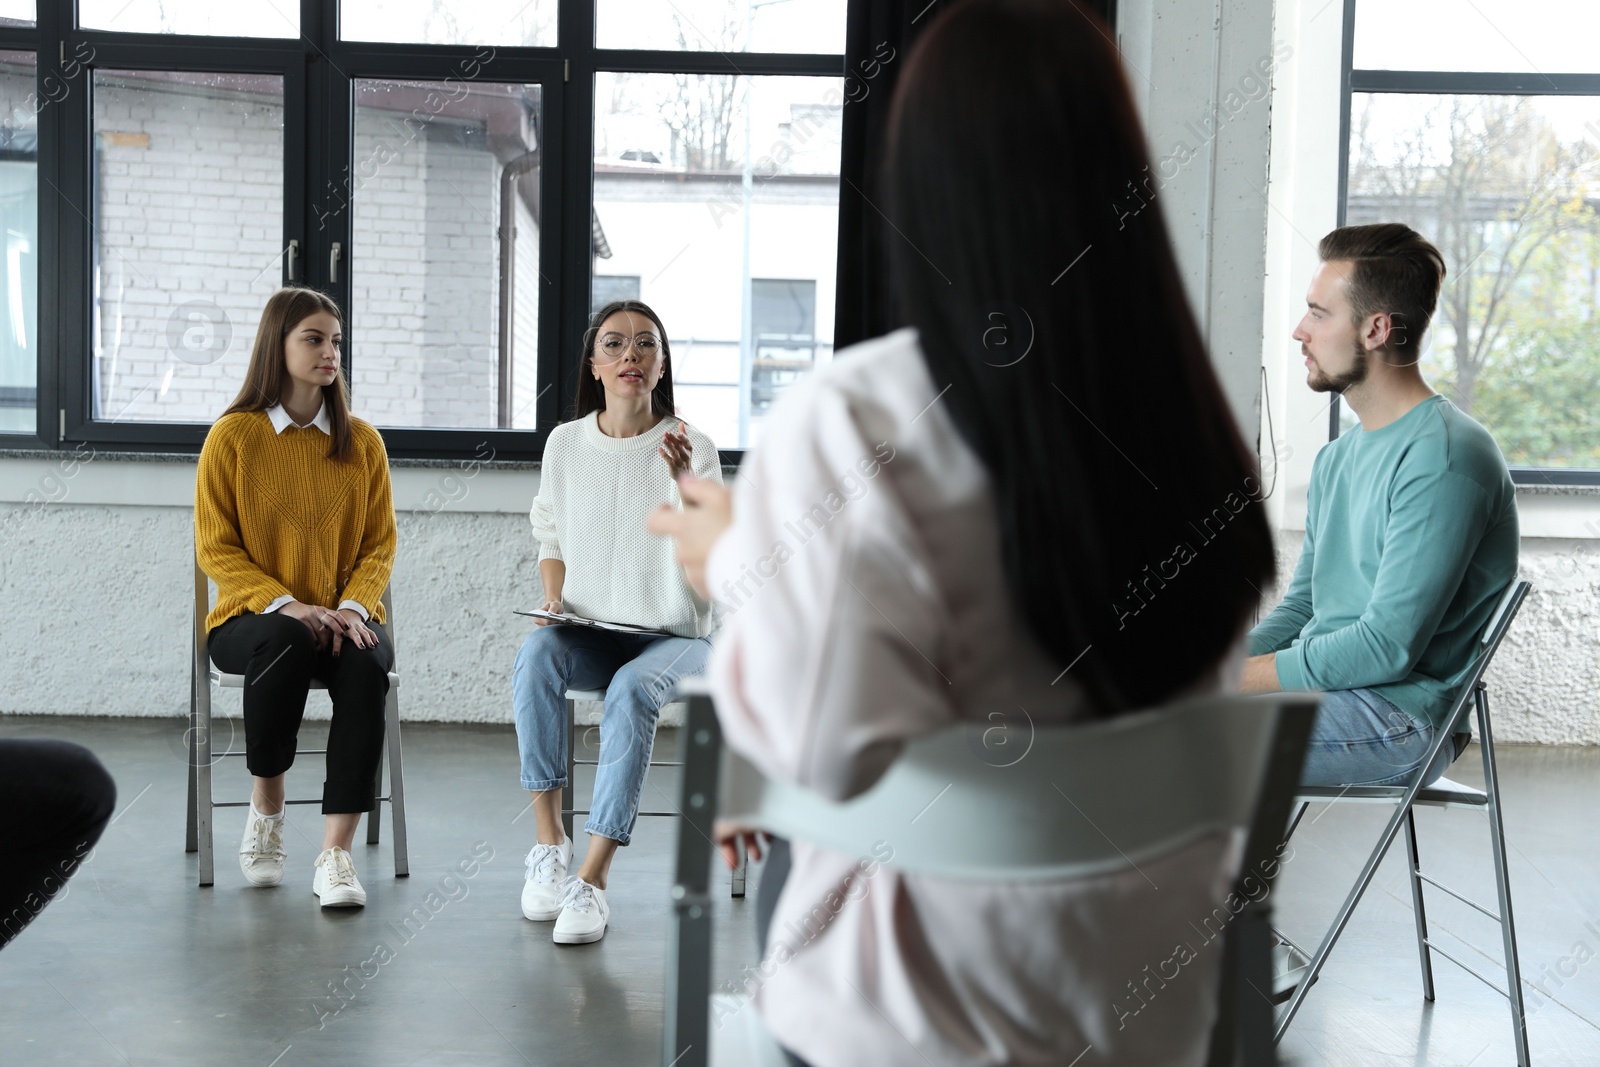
483,22
609,287
17,12
784,323
441,168
672,207
259,18
19,215
722,25
1522,36
1503,185
188,229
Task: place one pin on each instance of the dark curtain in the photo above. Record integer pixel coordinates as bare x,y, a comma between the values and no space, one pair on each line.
879,36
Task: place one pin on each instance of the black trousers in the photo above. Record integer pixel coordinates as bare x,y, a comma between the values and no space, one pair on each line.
279,657
57,799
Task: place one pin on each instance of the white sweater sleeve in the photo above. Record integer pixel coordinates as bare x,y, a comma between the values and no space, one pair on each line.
826,663
542,515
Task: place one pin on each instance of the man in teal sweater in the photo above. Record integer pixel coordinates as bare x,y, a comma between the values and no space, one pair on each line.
1411,525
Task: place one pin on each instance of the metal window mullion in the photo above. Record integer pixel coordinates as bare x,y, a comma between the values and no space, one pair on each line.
1472,83
648,61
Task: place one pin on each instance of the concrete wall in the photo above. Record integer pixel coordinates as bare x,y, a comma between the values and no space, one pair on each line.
96,594
96,581
1201,74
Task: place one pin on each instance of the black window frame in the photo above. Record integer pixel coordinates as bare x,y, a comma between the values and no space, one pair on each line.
1431,82
318,71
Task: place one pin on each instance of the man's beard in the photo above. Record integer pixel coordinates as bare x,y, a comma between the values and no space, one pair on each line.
1321,382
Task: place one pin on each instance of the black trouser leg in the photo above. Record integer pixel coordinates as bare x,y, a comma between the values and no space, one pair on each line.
358,683
57,798
276,654
279,657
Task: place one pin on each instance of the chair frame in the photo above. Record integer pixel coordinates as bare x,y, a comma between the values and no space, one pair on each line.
203,675
569,798
1443,793
1242,1035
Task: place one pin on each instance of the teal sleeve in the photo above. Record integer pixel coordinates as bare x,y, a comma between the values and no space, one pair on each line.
1279,629
1436,519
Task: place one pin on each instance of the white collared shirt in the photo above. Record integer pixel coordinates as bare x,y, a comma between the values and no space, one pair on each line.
281,421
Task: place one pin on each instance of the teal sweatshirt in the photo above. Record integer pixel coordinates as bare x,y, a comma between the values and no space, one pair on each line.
1411,537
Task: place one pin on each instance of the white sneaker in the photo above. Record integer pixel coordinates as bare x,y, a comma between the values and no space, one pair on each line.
261,852
583,913
335,881
547,870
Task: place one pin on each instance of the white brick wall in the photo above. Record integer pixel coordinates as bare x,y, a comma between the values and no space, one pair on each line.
196,215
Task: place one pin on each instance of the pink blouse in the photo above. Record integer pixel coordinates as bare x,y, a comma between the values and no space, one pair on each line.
864,605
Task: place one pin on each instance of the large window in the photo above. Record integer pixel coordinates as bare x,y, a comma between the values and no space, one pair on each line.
702,182
19,271
1484,135
464,180
445,305
188,209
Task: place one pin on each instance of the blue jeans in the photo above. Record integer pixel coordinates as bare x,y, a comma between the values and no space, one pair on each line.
638,674
1359,738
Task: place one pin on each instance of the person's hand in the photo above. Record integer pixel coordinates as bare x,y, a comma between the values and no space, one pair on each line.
728,834
315,618
348,625
677,451
707,512
553,604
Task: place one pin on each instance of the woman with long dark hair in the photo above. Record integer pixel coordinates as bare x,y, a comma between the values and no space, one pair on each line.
1032,497
602,475
294,521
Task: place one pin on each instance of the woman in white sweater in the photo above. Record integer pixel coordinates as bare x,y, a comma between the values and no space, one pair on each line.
961,523
602,474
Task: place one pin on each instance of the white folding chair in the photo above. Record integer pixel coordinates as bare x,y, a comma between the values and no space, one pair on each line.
569,798
1443,793
203,675
1150,781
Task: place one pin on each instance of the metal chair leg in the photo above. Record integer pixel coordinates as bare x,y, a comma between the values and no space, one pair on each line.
1414,870
1299,813
191,835
739,869
375,816
397,786
1502,878
1346,910
567,801
202,772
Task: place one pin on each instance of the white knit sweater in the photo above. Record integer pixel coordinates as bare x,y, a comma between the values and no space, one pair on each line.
595,493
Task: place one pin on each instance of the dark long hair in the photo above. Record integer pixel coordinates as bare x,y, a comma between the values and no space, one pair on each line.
1013,148
591,394
265,377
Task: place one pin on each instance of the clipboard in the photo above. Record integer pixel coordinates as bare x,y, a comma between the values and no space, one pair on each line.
596,624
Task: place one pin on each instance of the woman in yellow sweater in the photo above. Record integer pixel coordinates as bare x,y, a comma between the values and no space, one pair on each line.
293,520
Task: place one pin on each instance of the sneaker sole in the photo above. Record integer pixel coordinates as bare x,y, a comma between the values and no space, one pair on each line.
542,916
343,900
268,884
587,938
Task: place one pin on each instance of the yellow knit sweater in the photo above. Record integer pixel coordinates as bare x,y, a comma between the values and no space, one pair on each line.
274,516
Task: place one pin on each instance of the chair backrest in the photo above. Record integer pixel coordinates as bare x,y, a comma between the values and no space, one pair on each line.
1148,781
1494,631
1083,800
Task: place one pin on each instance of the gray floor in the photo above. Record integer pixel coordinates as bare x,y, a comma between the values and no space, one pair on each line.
137,965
